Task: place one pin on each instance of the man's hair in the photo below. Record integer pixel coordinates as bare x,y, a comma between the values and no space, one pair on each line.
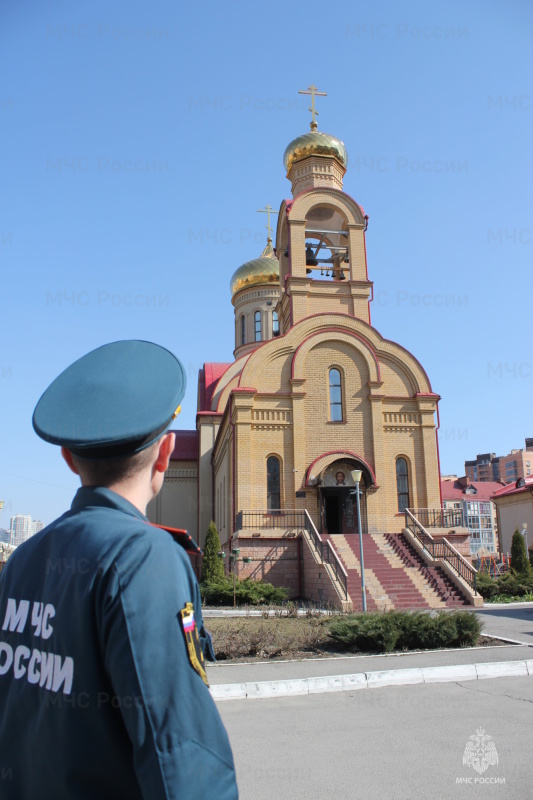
108,471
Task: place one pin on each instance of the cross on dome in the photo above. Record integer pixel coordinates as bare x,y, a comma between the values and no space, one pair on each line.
312,90
268,210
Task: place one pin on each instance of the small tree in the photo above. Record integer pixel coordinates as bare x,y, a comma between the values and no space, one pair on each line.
519,559
212,564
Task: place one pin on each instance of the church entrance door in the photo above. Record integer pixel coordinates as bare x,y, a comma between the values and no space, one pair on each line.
333,514
339,511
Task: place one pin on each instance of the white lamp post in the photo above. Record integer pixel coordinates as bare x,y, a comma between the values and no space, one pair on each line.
524,534
356,477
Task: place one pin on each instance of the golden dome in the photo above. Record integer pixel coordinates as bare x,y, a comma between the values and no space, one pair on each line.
315,143
264,269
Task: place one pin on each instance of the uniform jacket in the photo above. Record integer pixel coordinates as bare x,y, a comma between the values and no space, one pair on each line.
99,697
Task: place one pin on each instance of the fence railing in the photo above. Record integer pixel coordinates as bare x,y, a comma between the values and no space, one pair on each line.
273,518
439,517
441,549
291,519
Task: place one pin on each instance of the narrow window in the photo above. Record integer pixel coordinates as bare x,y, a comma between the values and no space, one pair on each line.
275,324
335,396
243,330
273,484
402,484
257,326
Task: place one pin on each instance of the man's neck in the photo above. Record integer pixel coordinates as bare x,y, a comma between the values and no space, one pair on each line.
137,492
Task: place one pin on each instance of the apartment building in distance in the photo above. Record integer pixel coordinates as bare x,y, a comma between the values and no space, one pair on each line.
473,498
508,469
22,527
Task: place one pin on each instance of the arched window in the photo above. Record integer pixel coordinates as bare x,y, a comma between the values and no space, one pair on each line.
257,326
273,484
335,395
275,324
243,330
402,484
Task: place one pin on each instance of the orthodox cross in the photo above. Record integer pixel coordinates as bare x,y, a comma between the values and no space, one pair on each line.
268,210
312,90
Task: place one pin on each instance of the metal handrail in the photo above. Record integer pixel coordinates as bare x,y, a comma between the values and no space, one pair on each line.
295,518
271,518
442,549
315,536
327,553
439,517
340,573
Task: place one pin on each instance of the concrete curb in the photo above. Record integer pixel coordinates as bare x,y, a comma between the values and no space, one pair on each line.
372,680
488,606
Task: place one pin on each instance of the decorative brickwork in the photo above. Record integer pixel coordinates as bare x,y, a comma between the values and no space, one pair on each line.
275,400
275,560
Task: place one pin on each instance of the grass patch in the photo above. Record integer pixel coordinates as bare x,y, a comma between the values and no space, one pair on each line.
275,637
383,632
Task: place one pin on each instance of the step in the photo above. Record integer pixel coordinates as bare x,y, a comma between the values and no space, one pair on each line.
396,585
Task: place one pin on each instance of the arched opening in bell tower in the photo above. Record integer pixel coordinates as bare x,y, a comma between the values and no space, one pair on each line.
327,256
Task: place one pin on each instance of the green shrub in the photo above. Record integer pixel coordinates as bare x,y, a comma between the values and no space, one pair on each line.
519,558
486,586
371,631
515,584
247,592
212,564
469,627
420,631
403,630
511,585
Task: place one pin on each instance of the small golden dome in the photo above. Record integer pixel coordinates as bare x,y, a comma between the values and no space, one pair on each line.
264,269
315,143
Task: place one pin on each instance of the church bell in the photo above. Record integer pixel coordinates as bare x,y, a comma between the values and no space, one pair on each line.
310,260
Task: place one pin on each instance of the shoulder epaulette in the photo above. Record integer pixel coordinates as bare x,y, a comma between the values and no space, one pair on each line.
182,537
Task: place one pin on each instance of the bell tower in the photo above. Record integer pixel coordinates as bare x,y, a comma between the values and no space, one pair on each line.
320,238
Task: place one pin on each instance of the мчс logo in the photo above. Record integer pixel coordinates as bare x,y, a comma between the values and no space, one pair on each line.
480,752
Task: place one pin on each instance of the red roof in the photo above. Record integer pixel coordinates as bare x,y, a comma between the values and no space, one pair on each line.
456,490
512,488
207,381
186,448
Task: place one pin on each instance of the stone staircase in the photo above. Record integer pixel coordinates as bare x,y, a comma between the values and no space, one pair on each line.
434,576
395,575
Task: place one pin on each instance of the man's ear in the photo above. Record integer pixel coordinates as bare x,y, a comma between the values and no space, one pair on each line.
67,455
166,449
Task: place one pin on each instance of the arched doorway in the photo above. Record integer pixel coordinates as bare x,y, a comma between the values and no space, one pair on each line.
338,501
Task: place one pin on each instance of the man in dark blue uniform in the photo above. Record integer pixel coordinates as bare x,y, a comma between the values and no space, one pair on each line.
103,692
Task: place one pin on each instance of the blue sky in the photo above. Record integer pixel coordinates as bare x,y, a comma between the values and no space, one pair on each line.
139,139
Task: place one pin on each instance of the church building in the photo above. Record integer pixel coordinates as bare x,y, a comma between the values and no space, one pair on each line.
316,411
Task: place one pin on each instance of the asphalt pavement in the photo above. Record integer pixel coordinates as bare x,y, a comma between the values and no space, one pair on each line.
394,743
350,728
514,621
